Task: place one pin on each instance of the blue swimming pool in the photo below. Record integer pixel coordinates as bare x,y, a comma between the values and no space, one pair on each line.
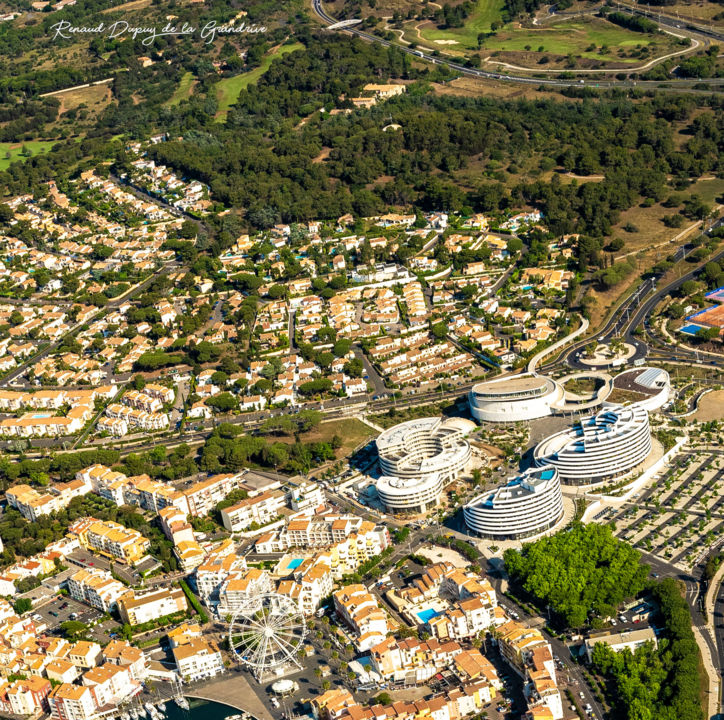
547,474
294,564
426,615
690,329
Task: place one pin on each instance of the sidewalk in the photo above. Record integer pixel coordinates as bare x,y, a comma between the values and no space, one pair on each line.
712,696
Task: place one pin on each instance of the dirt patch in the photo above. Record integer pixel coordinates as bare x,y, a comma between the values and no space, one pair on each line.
323,155
95,98
472,87
133,5
711,407
352,431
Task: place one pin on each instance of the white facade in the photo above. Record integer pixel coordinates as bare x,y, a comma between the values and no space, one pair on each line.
524,397
417,458
600,447
409,494
198,660
524,506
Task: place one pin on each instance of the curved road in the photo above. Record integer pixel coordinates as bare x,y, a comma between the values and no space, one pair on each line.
683,84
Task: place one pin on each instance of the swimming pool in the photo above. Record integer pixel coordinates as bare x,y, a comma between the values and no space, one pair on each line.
294,564
426,615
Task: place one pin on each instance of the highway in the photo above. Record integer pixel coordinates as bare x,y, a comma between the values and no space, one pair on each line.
673,83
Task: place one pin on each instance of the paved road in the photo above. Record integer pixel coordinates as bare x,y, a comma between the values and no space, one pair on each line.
673,83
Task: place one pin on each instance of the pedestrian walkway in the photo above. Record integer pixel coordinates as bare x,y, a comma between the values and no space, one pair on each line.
232,689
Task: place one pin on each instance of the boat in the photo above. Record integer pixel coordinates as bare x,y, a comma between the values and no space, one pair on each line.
182,702
134,713
125,716
234,717
162,707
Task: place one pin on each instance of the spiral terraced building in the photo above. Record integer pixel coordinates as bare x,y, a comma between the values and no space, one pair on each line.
526,505
600,447
417,458
509,399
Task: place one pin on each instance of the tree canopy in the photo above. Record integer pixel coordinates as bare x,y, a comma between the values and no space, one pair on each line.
581,571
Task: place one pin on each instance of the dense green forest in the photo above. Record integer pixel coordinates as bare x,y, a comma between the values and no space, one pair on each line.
263,160
663,682
580,573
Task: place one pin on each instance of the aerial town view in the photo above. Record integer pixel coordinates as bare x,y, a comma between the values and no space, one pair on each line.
361,359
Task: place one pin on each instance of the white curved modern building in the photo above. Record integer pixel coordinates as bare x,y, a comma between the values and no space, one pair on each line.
401,495
510,399
599,447
651,383
417,458
526,505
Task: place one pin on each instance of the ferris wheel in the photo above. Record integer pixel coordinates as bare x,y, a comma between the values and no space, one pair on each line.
267,632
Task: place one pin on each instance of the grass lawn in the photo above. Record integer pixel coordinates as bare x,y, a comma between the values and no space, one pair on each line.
710,191
564,38
227,90
574,37
36,147
183,91
486,12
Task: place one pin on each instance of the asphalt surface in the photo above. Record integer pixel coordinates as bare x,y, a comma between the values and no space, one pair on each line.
673,83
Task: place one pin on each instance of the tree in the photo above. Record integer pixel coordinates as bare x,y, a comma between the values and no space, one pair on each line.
74,629
439,331
188,230
22,605
224,402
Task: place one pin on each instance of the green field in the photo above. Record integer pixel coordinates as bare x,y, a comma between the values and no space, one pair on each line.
14,150
574,37
227,91
183,91
565,38
479,21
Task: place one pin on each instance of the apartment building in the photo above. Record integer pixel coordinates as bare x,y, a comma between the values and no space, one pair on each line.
216,569
239,585
121,652
29,696
203,496
198,660
110,684
471,698
142,608
325,531
97,588
312,582
360,611
175,525
412,661
85,655
61,671
110,539
72,702
33,504
260,509
137,418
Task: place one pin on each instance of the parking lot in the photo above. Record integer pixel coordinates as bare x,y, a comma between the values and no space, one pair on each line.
680,515
59,610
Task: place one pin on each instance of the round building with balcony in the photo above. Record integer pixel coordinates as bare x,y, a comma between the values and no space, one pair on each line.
417,458
600,447
526,505
510,399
